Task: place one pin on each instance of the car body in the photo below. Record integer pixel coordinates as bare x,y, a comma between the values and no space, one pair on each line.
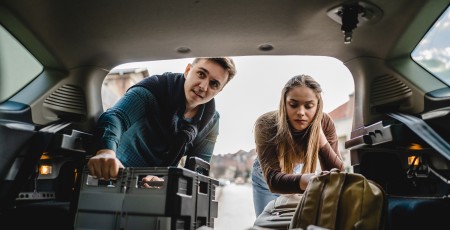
49,118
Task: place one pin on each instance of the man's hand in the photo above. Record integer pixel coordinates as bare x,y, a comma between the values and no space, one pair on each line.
104,165
151,179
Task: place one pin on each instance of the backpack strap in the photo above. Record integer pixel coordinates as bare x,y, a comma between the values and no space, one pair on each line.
329,202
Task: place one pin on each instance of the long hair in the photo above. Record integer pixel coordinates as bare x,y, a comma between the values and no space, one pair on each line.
309,147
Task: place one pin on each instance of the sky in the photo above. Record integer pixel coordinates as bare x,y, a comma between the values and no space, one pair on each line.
256,89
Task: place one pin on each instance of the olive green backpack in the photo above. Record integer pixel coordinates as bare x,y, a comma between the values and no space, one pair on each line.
341,201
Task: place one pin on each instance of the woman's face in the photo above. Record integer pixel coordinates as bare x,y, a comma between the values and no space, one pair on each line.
301,106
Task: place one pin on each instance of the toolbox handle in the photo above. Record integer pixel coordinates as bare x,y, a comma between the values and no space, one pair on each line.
196,162
94,181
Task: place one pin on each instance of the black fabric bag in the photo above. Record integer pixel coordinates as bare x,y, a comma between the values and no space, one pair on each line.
278,213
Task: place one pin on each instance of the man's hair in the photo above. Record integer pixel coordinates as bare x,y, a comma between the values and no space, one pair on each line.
225,62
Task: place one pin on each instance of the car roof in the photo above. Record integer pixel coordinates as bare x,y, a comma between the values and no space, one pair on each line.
105,34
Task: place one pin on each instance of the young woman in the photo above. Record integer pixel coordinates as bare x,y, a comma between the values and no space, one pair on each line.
291,140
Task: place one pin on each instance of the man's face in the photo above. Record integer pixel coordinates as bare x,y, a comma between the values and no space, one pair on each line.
204,80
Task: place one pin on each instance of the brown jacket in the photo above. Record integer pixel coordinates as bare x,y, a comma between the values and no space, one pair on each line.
283,183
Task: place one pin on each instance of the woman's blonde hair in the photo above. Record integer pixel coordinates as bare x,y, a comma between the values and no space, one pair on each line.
309,148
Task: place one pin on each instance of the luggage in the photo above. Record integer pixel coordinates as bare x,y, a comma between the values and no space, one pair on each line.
341,201
335,200
278,213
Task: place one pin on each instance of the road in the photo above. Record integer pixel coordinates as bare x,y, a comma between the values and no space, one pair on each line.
235,210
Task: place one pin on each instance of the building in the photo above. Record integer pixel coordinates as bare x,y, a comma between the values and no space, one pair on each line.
343,118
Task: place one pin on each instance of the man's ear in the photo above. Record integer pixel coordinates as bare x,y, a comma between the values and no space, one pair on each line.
186,71
225,84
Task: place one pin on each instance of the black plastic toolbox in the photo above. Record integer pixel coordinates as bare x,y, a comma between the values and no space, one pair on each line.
185,199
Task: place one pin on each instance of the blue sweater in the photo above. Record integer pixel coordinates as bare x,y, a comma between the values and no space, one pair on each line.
141,127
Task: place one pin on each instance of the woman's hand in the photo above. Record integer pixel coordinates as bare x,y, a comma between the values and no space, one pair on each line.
307,177
304,180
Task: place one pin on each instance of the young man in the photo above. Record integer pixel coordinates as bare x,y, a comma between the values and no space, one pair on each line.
161,119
